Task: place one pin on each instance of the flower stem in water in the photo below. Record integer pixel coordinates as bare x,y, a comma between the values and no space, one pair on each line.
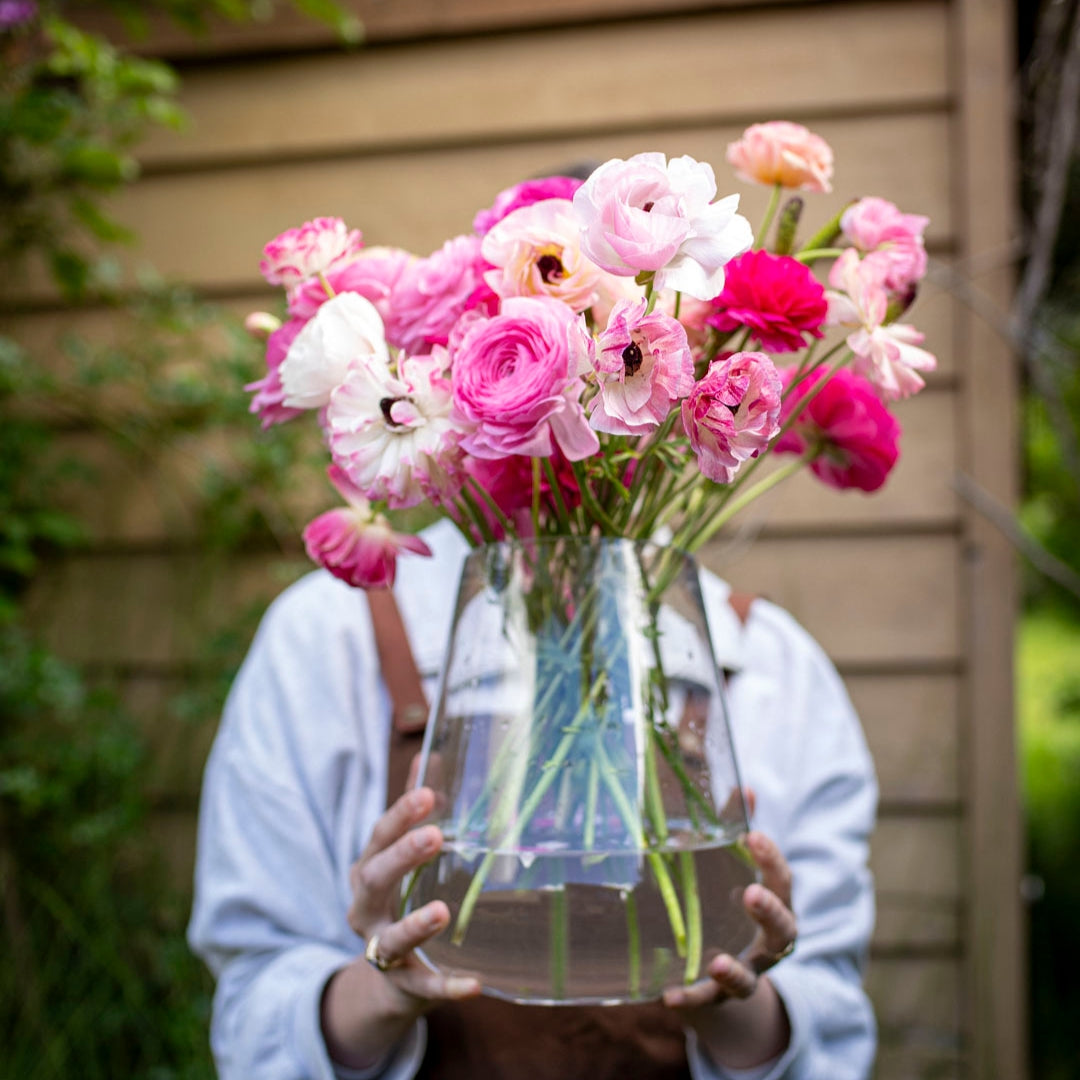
559,936
693,915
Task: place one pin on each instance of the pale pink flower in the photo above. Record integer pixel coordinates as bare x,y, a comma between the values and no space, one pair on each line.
356,544
393,434
374,274
888,356
269,401
732,412
891,240
432,293
644,366
314,248
344,328
516,381
535,251
524,194
780,152
649,214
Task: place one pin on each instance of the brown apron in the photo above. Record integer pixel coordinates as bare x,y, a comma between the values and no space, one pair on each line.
488,1039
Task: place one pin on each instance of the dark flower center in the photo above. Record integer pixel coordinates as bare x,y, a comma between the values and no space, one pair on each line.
648,206
632,358
386,405
550,266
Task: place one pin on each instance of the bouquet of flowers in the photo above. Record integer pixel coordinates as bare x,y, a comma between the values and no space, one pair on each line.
596,359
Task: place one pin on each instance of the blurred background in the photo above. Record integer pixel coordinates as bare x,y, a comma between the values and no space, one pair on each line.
147,152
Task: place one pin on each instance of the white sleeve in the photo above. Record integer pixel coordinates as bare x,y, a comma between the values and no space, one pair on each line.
821,803
283,806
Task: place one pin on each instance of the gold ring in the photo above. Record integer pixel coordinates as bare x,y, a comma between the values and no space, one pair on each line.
787,950
371,955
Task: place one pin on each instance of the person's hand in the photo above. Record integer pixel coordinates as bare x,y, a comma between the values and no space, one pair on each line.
368,1005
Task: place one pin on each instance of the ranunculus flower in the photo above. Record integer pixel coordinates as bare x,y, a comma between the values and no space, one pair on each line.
516,381
855,436
374,274
732,412
524,194
344,328
780,152
776,296
649,214
535,251
314,248
393,435
269,401
432,293
888,356
356,544
644,366
893,241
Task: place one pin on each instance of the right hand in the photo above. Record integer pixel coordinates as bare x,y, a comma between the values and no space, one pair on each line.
365,1012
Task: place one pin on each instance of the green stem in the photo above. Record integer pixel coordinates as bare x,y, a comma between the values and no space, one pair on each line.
633,937
559,943
507,525
770,213
556,491
693,915
810,255
590,805
536,497
590,503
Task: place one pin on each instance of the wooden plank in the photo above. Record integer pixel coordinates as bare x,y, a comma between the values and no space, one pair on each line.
917,1001
866,600
894,55
996,972
209,228
920,1063
912,729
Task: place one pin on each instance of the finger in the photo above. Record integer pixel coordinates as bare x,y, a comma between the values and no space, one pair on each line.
377,877
408,811
705,992
734,978
399,939
421,982
775,872
777,922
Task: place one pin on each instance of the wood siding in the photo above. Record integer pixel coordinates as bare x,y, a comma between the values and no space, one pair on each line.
909,592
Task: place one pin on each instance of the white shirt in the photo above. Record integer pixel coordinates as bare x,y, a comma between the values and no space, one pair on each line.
297,779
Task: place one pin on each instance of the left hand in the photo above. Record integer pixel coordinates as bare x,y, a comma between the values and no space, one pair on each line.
769,905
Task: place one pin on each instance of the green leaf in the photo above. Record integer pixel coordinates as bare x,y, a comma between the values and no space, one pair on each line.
98,165
70,271
99,224
348,26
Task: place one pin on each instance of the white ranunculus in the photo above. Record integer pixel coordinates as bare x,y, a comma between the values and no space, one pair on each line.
344,328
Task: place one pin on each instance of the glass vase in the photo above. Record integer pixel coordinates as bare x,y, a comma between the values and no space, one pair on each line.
585,778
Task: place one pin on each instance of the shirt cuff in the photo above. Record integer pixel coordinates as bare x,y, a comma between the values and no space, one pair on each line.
402,1063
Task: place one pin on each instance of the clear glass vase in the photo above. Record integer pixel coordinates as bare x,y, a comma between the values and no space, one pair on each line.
585,779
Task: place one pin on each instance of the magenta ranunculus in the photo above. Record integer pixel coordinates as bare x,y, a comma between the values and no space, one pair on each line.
890,239
316,247
374,274
269,401
432,294
644,366
524,194
16,13
356,544
732,413
776,296
855,435
783,153
650,214
516,382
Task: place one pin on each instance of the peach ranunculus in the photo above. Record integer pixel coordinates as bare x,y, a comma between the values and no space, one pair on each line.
536,251
783,153
356,544
889,356
655,216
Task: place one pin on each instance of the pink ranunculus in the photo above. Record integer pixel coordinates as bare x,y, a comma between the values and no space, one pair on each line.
393,435
432,293
776,296
649,214
536,251
516,381
356,544
855,435
644,366
269,401
374,274
346,327
732,412
891,239
780,152
524,194
889,356
314,248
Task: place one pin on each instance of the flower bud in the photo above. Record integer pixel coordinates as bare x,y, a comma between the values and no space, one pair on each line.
788,225
261,324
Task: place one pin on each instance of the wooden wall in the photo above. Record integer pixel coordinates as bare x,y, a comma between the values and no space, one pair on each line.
908,592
